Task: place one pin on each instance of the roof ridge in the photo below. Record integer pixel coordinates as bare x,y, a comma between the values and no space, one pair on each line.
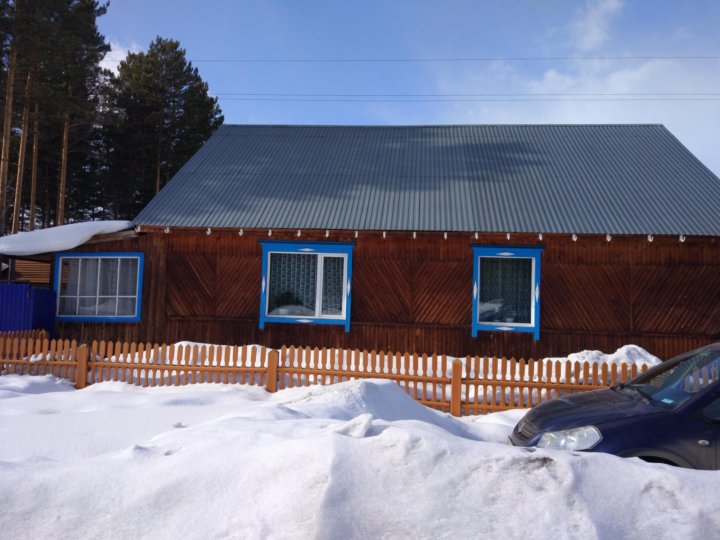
441,125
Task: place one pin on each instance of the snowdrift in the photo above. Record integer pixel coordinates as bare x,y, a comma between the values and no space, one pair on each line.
355,460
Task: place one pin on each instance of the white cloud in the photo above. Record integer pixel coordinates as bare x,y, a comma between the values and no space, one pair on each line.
591,28
693,122
118,52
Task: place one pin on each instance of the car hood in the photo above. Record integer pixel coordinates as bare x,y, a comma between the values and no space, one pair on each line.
582,409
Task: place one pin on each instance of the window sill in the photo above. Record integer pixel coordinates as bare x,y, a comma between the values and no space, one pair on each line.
304,320
77,318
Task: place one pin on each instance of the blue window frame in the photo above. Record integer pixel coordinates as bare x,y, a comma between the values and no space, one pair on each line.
99,287
506,289
306,283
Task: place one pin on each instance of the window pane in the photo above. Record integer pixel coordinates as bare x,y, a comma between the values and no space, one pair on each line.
333,277
68,306
108,277
505,290
128,277
88,277
293,284
69,277
87,306
106,306
126,307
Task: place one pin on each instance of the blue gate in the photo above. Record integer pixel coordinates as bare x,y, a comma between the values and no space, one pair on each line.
23,307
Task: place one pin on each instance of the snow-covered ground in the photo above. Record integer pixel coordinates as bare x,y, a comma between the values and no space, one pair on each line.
354,460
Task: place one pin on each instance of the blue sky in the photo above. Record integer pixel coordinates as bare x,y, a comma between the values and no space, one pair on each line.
216,31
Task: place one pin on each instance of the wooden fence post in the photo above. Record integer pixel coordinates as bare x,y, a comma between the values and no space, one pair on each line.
272,371
456,388
81,368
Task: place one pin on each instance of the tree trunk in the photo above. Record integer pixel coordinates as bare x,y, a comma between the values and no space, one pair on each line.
157,166
60,214
47,207
17,206
7,127
34,167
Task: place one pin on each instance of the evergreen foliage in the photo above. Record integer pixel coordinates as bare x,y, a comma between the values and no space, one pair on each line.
104,141
163,115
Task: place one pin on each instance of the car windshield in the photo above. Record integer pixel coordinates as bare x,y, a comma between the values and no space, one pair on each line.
674,382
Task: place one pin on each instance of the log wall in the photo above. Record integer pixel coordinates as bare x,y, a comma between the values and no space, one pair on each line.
415,294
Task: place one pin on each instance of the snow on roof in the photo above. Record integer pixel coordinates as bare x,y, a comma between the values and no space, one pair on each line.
58,238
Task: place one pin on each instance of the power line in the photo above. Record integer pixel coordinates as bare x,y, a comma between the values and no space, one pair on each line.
420,100
503,94
422,60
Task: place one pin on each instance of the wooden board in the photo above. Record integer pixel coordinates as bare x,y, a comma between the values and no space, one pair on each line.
415,294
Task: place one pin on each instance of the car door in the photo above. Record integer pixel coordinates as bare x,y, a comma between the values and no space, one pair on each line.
695,439
711,414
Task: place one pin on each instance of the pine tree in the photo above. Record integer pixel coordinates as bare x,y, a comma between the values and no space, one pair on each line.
93,145
9,76
82,48
51,51
33,29
164,114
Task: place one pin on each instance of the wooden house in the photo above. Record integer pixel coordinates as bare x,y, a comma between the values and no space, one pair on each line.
527,240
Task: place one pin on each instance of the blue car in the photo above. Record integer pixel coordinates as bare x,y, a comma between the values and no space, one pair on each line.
669,414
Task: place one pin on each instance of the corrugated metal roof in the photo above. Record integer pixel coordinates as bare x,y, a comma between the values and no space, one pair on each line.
585,179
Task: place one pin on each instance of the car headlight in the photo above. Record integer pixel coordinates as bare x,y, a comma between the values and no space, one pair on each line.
582,438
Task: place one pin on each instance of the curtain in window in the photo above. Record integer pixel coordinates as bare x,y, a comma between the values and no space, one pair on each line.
505,290
293,284
98,286
333,276
107,287
127,287
87,304
127,284
69,278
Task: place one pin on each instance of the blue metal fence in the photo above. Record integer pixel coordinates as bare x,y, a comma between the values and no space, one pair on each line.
24,307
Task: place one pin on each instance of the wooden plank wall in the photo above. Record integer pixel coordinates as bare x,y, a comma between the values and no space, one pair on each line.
35,272
415,294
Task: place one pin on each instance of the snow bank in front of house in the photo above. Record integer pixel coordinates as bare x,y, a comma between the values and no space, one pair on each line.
628,354
354,460
19,385
59,238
